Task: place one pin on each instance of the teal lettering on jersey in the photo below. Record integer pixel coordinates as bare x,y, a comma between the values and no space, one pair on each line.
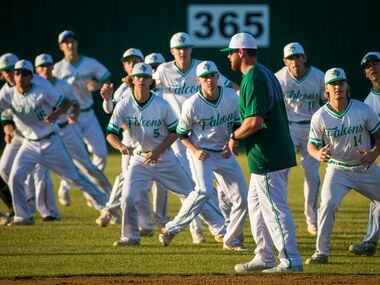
219,120
77,77
300,96
133,121
343,130
38,110
182,90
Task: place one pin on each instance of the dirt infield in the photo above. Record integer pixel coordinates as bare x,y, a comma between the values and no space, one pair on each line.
202,279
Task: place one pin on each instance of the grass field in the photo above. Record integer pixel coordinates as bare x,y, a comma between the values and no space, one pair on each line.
76,246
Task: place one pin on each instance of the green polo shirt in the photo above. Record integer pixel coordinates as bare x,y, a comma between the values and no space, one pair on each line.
271,148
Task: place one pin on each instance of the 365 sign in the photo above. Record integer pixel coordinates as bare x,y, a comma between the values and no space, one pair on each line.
214,25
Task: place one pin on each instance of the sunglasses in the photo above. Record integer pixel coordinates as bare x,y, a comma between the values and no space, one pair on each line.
233,51
22,72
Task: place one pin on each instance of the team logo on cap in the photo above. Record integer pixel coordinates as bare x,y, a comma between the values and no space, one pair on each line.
336,73
207,66
6,61
154,57
292,49
182,39
143,68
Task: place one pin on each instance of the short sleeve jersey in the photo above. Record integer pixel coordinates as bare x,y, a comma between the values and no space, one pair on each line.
373,100
210,123
62,87
346,132
148,124
271,148
177,86
77,76
302,97
29,109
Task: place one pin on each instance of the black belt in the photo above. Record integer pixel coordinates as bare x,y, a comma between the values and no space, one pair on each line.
213,150
300,123
40,139
86,109
62,125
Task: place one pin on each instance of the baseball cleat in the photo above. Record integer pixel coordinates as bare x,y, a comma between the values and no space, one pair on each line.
146,233
198,238
363,248
312,229
219,238
104,218
165,237
253,266
115,220
238,247
21,222
50,219
127,242
64,197
283,269
317,258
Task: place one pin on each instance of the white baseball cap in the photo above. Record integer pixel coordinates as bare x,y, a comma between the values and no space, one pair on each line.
43,58
335,74
241,40
154,58
132,52
24,64
142,69
206,67
371,56
179,40
7,60
293,49
65,35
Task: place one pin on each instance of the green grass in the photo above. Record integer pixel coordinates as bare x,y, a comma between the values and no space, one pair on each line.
76,246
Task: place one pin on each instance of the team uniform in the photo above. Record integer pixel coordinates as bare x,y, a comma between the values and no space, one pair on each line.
346,133
149,124
208,125
302,98
40,145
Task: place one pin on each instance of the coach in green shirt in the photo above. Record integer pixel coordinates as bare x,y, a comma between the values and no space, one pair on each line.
270,155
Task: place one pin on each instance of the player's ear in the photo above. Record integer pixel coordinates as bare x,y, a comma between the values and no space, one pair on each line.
198,80
172,51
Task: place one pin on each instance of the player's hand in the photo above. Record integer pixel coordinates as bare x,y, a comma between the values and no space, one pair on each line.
233,144
9,133
367,157
106,91
201,154
126,150
152,156
72,118
226,152
324,154
93,85
51,118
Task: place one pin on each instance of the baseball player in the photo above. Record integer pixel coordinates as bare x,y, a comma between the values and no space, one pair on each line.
152,124
371,67
207,119
303,90
85,75
39,183
264,126
69,135
35,109
178,82
344,126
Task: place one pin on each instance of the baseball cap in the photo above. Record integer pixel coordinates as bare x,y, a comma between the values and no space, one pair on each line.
241,40
142,69
292,49
65,35
371,56
335,74
132,52
179,40
43,58
24,64
206,67
7,60
154,58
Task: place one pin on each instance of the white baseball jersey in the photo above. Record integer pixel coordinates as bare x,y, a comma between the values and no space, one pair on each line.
62,87
347,132
373,100
30,109
178,86
148,124
210,123
77,76
302,97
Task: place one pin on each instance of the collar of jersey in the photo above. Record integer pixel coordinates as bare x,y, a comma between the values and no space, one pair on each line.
208,102
375,92
183,74
27,92
335,113
78,63
143,105
303,78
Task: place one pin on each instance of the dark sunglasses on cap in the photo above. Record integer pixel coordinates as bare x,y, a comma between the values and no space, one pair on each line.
22,72
233,51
